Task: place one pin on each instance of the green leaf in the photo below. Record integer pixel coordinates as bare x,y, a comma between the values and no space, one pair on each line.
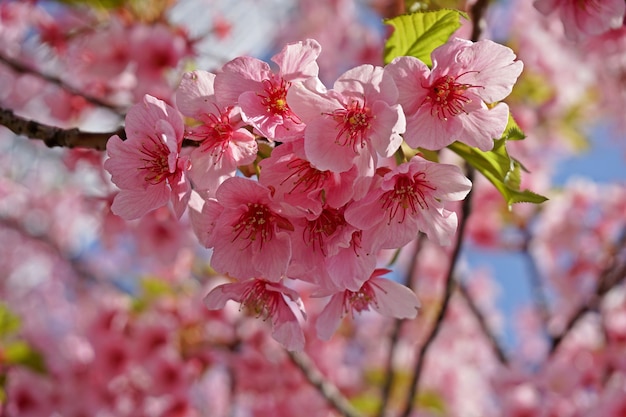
419,33
513,131
9,322
500,169
21,353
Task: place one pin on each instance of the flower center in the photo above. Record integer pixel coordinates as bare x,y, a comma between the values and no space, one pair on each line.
447,97
319,230
360,300
155,162
353,121
408,194
275,98
305,177
255,224
215,132
260,301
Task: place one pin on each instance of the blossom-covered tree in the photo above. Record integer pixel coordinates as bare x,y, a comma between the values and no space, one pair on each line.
303,208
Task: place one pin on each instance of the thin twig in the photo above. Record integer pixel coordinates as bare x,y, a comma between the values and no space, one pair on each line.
611,276
482,322
538,290
328,390
395,333
450,283
23,69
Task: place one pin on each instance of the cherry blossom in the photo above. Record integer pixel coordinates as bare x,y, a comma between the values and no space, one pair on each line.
148,167
225,144
383,295
449,102
246,223
262,93
352,123
264,299
409,199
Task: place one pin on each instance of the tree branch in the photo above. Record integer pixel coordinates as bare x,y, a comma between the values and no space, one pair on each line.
536,284
612,275
23,69
450,283
395,333
482,322
325,387
54,136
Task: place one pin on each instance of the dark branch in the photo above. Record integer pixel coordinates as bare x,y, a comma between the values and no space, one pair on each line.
23,69
55,136
450,284
395,332
540,299
477,11
325,387
611,276
482,322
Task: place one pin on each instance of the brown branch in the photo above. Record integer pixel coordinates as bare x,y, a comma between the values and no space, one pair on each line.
477,11
450,284
23,69
54,136
328,390
395,332
611,276
482,322
537,287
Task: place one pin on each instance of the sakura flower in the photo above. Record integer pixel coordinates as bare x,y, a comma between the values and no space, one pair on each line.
383,295
246,229
267,300
298,183
585,18
352,123
225,144
449,102
409,199
148,167
262,94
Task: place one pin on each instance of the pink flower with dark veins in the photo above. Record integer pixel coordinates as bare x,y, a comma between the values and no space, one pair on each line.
266,300
450,102
409,199
380,294
262,93
148,167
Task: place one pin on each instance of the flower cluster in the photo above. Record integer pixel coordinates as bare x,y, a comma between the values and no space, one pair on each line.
329,197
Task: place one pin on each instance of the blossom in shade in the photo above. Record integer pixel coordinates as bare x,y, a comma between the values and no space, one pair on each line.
409,199
225,144
585,18
382,295
246,229
352,123
449,102
262,93
148,167
266,300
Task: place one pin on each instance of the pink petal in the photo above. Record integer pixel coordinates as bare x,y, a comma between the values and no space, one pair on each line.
132,204
195,94
297,61
393,299
329,319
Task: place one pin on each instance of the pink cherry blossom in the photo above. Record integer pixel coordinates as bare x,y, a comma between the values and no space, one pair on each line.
246,229
148,167
449,102
409,199
266,300
298,183
351,124
225,144
262,93
585,18
383,295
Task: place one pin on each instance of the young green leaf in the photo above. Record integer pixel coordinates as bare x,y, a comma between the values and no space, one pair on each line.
500,169
418,34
